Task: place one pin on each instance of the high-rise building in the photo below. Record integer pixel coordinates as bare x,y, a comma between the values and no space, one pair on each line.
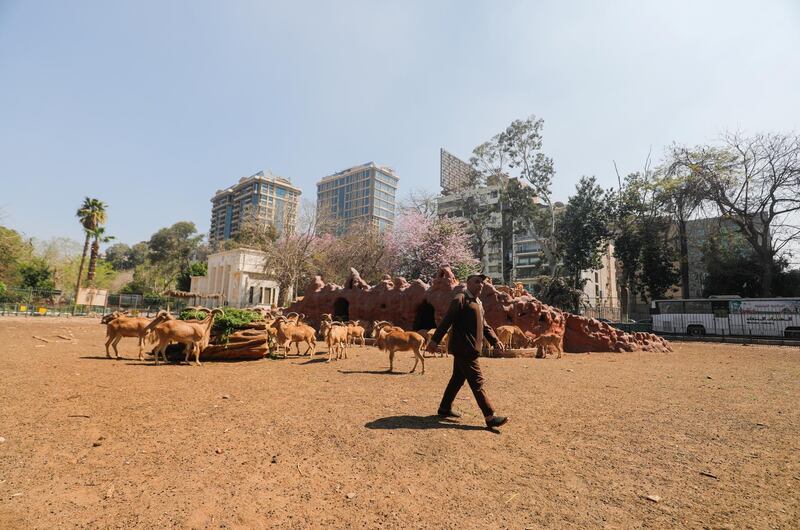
454,173
264,198
487,200
364,193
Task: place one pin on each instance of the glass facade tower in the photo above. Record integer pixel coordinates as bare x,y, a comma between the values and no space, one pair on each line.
364,193
265,198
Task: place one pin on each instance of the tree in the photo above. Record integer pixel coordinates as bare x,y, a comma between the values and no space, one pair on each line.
515,152
421,246
556,292
91,214
36,274
681,193
583,229
362,247
118,255
658,272
138,254
289,258
98,236
477,216
753,181
732,268
521,142
171,250
421,201
62,254
198,268
641,239
13,251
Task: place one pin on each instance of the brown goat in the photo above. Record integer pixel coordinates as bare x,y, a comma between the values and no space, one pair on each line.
336,336
513,337
119,325
394,339
194,335
289,332
355,331
543,342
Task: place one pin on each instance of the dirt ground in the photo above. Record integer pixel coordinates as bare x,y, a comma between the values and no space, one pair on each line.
710,432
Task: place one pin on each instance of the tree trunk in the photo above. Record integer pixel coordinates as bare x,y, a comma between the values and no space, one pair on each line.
684,257
551,242
93,260
766,274
80,268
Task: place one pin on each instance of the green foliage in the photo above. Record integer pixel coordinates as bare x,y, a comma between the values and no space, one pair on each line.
658,272
3,289
13,251
557,292
92,213
641,240
171,250
734,268
197,268
36,274
227,323
584,228
117,254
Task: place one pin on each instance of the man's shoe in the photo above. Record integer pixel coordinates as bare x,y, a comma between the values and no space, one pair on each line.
496,421
448,413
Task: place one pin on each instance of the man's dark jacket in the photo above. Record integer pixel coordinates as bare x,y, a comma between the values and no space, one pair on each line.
465,315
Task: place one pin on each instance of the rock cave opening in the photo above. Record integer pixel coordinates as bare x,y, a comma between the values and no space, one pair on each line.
425,317
341,310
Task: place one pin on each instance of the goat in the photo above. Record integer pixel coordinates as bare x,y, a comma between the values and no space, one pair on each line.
119,325
513,337
542,342
111,316
289,332
194,335
336,335
394,339
355,331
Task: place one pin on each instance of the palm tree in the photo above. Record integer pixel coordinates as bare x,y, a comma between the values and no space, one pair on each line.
91,214
99,235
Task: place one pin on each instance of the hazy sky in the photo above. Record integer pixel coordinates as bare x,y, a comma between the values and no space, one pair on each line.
152,106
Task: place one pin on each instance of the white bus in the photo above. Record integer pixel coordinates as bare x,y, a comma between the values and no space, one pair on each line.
762,317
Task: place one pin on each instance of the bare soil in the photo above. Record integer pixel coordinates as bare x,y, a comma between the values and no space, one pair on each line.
710,432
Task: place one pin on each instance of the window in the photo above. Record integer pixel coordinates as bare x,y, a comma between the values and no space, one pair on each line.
720,308
698,307
670,308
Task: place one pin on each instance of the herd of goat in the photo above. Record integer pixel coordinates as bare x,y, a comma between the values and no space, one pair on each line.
285,330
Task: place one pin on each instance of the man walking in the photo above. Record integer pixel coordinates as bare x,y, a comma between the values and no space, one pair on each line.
465,317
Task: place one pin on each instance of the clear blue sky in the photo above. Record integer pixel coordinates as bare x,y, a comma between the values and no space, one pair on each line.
152,106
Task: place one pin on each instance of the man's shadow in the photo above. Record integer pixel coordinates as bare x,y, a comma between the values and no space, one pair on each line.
420,422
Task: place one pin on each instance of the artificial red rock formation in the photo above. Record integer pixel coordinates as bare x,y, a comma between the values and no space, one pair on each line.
417,305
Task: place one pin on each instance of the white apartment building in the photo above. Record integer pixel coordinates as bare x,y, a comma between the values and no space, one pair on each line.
452,204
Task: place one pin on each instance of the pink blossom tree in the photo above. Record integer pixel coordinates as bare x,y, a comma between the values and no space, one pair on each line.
420,245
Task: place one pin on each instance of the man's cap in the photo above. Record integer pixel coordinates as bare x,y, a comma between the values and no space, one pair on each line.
483,277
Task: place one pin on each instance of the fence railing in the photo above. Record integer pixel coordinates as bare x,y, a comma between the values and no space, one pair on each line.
32,302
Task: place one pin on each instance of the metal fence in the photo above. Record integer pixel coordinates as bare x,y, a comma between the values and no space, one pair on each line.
32,302
609,313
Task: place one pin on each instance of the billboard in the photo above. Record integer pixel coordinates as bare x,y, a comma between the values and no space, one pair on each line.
92,296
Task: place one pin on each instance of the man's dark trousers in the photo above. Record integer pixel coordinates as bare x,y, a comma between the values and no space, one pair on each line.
466,369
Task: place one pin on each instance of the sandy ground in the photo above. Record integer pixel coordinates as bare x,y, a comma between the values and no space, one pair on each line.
94,443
